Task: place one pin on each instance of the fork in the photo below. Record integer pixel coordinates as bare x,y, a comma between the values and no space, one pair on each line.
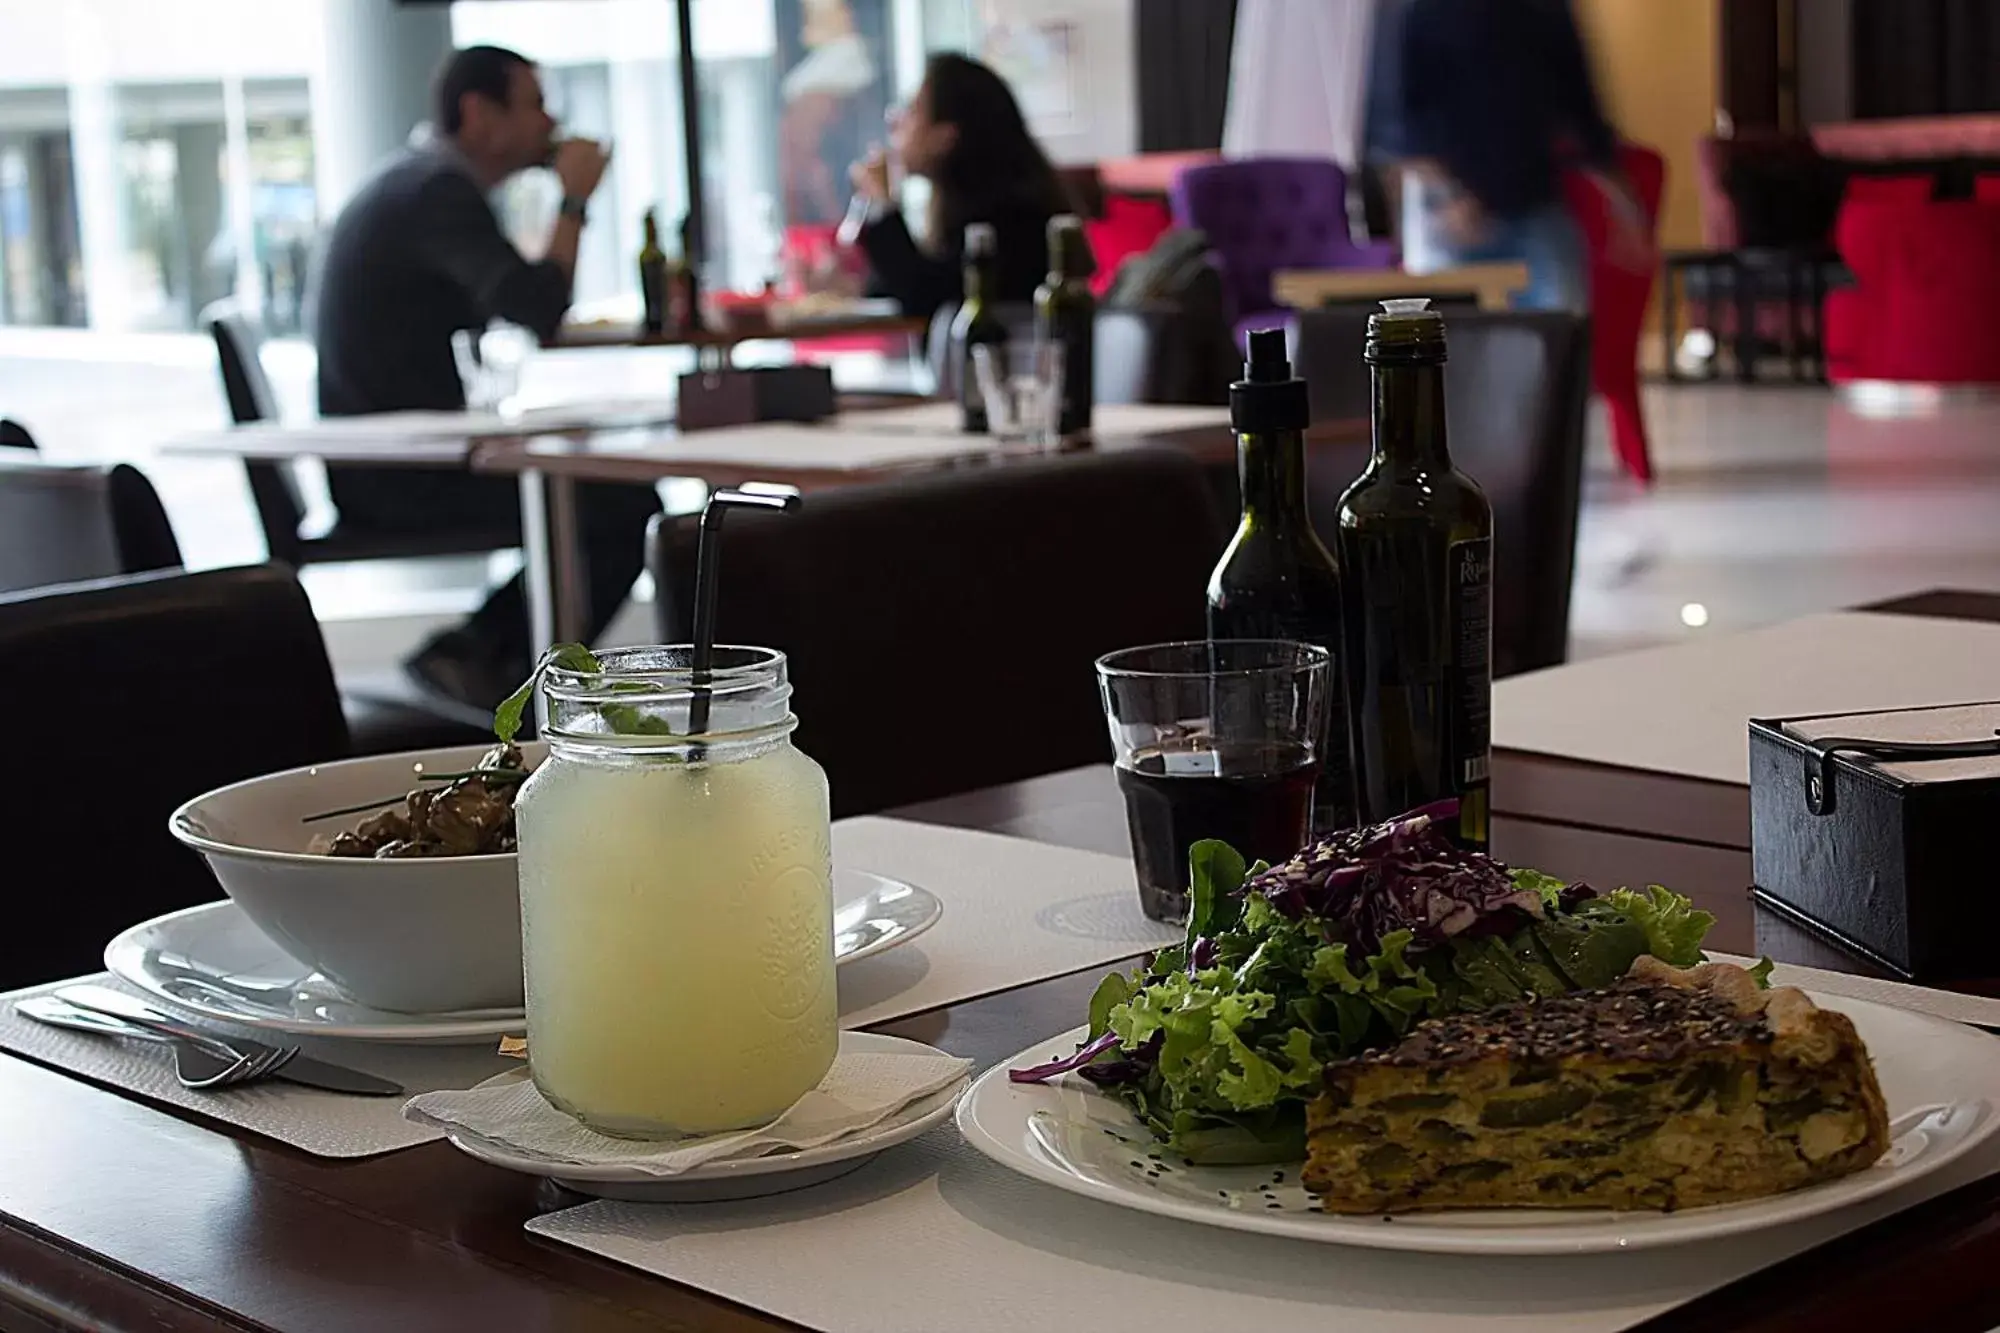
198,1066
137,1013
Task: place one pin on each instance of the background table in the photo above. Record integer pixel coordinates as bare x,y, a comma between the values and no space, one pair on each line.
119,1216
555,577
1493,285
747,326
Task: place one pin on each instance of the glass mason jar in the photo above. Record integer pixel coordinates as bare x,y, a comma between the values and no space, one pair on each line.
676,897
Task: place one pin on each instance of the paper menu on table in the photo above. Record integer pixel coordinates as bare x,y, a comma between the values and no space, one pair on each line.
1685,708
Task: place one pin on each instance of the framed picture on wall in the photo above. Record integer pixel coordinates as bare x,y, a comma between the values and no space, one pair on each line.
1041,60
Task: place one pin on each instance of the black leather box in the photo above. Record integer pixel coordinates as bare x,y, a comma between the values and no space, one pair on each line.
711,398
1880,833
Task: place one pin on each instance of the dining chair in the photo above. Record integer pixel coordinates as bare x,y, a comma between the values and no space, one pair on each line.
1517,391
1141,356
942,628
70,523
1265,214
274,486
13,435
131,695
67,522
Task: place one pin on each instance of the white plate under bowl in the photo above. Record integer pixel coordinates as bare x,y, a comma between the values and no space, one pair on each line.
212,962
748,1178
1941,1080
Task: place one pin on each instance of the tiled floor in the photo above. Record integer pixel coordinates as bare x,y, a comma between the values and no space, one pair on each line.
1771,501
1775,501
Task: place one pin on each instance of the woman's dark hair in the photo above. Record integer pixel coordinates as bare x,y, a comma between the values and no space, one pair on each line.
995,164
485,70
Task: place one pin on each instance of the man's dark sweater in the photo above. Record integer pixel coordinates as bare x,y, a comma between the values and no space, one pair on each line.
415,255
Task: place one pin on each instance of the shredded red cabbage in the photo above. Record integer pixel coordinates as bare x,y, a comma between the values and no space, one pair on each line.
1082,1056
1403,874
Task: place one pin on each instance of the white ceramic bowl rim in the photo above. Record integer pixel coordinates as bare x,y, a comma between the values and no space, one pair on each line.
184,824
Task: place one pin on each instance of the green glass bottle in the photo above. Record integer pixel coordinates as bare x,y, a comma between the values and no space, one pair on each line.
976,324
1276,579
1066,313
1416,545
652,276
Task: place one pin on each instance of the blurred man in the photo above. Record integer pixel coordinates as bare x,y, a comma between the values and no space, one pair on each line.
1486,102
417,254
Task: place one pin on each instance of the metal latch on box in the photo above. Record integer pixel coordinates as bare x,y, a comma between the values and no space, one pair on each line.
1820,753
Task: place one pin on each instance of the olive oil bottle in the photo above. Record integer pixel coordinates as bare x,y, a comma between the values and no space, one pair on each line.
1276,579
652,276
1415,540
976,324
1066,313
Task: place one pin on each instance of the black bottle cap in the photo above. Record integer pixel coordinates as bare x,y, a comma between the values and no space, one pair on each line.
1268,397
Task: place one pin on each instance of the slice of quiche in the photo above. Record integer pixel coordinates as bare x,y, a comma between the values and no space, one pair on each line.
1671,1089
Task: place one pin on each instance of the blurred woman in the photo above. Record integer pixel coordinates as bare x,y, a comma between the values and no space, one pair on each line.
964,133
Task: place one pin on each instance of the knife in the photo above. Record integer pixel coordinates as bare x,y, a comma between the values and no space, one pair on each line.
96,1004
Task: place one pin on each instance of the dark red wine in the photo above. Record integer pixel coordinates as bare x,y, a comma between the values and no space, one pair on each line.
1258,799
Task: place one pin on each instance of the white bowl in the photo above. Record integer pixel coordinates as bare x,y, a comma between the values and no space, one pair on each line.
419,936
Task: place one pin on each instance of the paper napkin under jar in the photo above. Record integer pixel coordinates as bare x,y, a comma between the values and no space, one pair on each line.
861,1090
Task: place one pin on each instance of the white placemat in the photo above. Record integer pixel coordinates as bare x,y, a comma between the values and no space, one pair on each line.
821,447
934,1236
1107,420
1014,912
1686,708
326,1124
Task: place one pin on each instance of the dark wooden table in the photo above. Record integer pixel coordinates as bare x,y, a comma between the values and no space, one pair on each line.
118,1215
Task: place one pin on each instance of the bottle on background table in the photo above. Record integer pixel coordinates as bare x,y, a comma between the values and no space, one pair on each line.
976,324
1416,547
652,276
1066,314
1276,579
687,275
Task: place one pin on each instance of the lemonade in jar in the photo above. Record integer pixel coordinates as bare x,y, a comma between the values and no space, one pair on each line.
676,900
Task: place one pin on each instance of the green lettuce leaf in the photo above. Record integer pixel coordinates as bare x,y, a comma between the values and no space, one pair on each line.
1674,926
1215,872
1548,886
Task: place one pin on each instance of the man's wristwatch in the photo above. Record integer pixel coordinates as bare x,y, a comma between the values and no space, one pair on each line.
573,207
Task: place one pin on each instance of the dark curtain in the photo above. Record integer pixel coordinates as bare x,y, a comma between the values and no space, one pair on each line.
1926,57
1183,72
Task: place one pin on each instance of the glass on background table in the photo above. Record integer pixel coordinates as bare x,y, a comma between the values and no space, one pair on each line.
1213,740
1021,384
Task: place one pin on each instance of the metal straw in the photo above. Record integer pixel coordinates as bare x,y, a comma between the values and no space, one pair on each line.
707,573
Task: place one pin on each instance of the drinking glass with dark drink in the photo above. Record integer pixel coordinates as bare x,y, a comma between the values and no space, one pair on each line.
1214,740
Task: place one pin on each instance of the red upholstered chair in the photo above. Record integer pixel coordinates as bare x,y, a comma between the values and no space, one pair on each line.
1130,226
1618,300
1925,307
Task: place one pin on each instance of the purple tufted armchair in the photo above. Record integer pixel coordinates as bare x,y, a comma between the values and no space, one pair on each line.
1269,213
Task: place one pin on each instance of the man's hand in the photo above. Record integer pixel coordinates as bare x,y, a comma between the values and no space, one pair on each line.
579,164
870,176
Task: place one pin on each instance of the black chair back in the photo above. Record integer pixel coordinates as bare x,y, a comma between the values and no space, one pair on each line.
13,435
281,506
66,523
1141,356
941,629
1517,391
131,696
